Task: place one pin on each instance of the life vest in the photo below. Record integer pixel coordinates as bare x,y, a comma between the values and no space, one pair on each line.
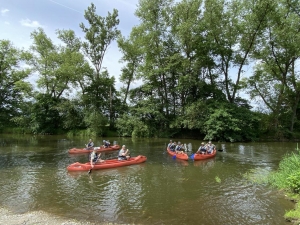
94,158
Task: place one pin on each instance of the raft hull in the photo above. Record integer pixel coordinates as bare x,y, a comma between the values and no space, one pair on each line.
107,164
204,156
178,156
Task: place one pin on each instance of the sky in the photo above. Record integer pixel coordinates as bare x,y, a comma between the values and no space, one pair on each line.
19,18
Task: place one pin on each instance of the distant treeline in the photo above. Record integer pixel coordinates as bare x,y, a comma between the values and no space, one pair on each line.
196,60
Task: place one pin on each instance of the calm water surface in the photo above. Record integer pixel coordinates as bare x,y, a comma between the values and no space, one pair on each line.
160,191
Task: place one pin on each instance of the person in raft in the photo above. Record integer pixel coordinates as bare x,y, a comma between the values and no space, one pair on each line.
210,147
123,153
106,143
173,146
180,149
89,145
170,144
201,149
94,157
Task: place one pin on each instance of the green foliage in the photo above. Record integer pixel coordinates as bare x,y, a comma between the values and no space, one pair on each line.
71,114
143,120
141,130
13,87
293,181
95,121
132,55
190,55
220,121
82,133
287,177
132,126
99,35
125,125
60,68
288,172
45,116
231,123
97,93
293,215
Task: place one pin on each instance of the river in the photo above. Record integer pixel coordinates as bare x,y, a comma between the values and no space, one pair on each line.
162,190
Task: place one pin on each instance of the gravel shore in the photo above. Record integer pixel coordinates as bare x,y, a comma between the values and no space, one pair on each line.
37,217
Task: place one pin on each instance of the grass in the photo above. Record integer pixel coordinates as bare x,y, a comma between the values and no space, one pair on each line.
286,178
218,180
258,176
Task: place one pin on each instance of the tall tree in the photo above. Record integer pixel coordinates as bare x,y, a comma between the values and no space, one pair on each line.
278,54
60,69
99,35
132,56
13,84
158,48
234,26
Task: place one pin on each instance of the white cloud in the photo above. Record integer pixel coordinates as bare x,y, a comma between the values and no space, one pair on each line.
6,23
4,11
29,23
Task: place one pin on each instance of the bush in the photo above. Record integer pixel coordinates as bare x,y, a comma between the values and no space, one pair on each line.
293,181
287,174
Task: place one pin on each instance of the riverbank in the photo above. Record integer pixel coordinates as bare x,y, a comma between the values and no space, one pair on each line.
38,217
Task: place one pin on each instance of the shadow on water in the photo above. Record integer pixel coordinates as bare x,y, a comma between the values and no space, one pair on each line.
160,191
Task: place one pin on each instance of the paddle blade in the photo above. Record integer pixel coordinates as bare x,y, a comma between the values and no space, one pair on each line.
192,156
174,157
89,172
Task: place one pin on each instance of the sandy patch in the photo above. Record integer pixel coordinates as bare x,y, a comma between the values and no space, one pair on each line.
37,217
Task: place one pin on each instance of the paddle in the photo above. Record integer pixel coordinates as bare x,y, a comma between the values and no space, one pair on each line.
192,156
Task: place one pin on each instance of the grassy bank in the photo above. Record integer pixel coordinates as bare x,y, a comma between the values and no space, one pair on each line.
286,179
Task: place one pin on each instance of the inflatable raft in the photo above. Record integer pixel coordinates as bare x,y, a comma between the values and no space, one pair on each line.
111,163
203,156
177,156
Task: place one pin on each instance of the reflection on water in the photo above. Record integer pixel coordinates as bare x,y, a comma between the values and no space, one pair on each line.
162,190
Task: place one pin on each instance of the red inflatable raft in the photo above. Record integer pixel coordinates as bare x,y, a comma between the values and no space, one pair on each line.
111,163
99,149
204,156
178,156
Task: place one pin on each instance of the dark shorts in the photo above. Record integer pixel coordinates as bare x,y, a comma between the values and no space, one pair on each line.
122,158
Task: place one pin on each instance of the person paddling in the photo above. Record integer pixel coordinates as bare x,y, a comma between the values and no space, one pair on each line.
94,157
201,149
123,153
210,148
89,145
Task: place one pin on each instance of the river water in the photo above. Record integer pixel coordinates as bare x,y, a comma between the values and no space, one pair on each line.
162,190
